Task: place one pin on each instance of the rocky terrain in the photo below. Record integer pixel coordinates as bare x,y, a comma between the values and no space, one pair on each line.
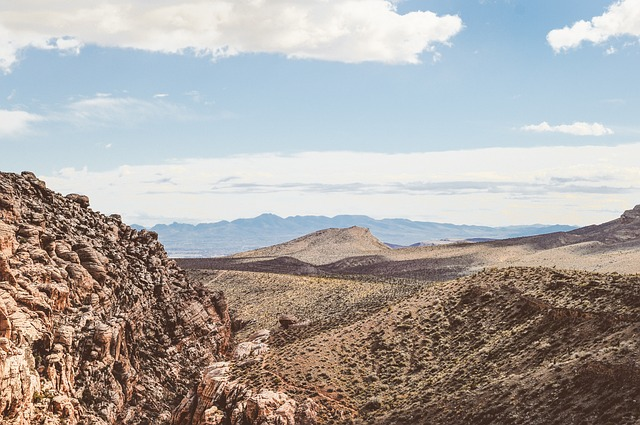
99,326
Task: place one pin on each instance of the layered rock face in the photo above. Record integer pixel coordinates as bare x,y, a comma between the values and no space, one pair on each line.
97,324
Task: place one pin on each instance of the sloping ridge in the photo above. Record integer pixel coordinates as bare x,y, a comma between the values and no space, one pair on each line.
505,346
621,230
323,247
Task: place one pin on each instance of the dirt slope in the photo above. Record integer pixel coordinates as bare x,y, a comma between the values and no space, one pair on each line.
514,345
502,345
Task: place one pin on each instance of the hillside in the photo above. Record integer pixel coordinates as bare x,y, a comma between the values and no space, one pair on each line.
98,326
390,338
322,247
514,345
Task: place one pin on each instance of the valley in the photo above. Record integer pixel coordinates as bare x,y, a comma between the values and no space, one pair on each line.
537,330
99,326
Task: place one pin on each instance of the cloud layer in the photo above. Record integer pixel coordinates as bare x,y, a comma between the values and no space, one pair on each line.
347,31
622,18
575,129
498,186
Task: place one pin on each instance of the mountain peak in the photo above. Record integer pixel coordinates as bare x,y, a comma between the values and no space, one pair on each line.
324,246
632,214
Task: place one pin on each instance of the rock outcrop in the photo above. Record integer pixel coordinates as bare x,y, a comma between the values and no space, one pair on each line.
621,230
97,324
221,400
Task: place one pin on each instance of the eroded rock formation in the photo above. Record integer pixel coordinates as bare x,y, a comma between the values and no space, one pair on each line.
97,324
219,399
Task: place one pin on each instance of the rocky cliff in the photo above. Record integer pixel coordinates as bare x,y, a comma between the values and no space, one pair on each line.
97,324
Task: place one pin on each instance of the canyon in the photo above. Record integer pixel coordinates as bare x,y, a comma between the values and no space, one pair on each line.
98,325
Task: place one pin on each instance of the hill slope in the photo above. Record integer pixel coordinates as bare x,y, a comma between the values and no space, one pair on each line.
504,344
322,247
516,345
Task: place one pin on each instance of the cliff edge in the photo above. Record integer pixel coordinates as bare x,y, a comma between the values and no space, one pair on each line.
97,324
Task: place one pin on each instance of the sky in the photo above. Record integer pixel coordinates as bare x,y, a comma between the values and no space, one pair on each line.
493,112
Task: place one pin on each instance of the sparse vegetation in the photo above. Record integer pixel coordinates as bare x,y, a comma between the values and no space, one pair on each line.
513,345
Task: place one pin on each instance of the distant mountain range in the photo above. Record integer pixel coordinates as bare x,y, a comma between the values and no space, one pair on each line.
229,237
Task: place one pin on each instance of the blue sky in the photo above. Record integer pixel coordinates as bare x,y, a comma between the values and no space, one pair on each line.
479,112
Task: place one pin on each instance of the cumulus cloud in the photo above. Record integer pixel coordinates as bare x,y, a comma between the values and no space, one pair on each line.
575,129
346,31
575,185
621,18
13,123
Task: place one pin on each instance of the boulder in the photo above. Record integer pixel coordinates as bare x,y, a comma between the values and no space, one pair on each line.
286,320
82,200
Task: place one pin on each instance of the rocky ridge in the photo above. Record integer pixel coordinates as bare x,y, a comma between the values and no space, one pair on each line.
97,324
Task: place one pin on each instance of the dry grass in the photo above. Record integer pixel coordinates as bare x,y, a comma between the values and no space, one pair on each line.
514,345
258,299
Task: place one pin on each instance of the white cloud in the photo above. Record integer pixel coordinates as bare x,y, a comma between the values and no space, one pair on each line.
13,123
622,18
106,110
68,45
575,129
498,186
347,30
101,110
